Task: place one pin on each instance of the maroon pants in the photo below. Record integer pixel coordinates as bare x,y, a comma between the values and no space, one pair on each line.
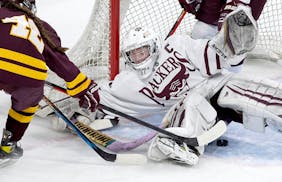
22,98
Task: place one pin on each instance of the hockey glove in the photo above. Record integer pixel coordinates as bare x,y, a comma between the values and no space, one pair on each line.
228,8
90,99
190,6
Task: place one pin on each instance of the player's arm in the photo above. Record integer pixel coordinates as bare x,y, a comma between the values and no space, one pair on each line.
78,84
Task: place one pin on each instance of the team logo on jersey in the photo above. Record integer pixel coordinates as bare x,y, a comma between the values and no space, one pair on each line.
170,78
172,84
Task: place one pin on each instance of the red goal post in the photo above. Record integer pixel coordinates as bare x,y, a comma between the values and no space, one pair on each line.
114,33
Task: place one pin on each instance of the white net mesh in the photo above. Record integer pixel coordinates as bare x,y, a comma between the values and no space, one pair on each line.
270,27
91,53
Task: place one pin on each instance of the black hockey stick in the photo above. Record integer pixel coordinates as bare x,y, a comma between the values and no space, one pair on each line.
77,127
216,131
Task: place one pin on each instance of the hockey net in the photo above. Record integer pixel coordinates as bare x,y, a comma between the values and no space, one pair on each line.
93,51
97,51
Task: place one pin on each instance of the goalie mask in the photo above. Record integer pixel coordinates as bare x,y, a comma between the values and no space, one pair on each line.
140,50
29,4
237,36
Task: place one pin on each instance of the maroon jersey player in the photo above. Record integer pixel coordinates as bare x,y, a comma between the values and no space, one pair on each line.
28,46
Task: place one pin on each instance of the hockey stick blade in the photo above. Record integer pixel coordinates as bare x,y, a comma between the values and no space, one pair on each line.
208,135
118,158
102,124
214,133
112,144
106,141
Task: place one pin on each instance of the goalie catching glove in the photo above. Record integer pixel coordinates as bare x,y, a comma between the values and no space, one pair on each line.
237,36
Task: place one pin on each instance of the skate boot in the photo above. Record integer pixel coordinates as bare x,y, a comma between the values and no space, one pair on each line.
9,149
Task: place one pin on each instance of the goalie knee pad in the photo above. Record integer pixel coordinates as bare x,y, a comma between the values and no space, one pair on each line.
260,101
194,113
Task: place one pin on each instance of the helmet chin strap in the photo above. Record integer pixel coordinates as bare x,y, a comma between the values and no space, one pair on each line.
147,69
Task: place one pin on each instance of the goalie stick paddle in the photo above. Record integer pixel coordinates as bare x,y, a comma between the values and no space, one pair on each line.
76,126
215,132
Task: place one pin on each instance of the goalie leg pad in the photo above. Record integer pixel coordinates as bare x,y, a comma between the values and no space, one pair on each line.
259,100
190,117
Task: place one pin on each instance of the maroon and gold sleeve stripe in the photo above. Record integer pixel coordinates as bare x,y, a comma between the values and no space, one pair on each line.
78,85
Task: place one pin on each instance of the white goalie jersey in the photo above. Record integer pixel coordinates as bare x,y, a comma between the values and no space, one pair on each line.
183,64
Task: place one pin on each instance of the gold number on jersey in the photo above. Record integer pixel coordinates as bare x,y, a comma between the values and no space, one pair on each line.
25,28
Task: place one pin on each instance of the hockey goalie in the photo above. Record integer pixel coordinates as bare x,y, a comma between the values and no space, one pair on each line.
189,79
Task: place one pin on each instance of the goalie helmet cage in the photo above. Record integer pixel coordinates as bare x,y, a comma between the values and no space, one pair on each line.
97,51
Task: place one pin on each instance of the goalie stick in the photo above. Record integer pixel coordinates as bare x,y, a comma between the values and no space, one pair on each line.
77,127
215,132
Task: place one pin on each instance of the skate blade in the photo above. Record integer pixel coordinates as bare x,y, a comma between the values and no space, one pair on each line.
7,162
